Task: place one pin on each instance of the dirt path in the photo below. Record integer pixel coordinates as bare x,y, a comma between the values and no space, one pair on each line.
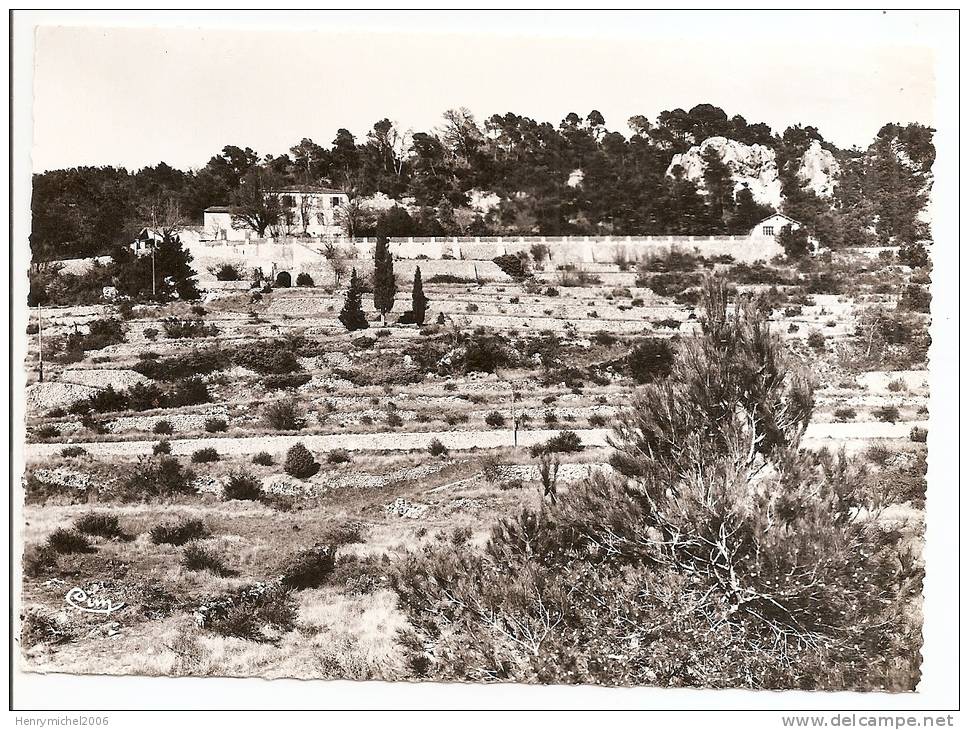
818,434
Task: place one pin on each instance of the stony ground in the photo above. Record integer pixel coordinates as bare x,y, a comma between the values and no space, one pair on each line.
396,495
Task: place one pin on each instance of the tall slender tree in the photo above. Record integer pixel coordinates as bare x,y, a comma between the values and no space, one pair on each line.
418,300
352,316
384,282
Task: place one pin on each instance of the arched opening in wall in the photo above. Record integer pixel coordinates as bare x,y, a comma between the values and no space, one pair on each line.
283,279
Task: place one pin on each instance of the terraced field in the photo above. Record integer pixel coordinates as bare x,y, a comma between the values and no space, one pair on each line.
419,434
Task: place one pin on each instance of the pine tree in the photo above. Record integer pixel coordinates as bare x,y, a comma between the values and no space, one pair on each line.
352,315
418,300
384,283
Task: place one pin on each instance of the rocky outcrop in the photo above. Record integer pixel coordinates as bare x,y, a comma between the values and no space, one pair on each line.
818,170
753,166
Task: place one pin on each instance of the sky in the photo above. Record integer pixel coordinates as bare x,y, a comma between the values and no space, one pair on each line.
113,95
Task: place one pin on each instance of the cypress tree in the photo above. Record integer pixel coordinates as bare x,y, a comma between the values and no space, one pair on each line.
384,283
418,300
352,315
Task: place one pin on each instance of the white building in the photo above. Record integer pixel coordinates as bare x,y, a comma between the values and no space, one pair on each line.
307,210
772,225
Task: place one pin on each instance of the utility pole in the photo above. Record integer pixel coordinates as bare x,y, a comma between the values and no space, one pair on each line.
152,266
40,342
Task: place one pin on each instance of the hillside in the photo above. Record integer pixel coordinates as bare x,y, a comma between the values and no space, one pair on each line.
684,172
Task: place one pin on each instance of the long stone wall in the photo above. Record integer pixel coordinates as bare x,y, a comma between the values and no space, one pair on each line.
460,256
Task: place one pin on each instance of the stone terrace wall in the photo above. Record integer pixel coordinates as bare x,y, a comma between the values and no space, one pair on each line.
295,255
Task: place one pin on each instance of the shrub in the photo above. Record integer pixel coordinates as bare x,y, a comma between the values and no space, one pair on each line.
338,456
649,360
888,414
436,448
308,568
38,559
197,557
150,333
242,485
288,381
99,524
300,462
189,392
491,464
226,272
566,442
512,265
47,431
597,420
178,531
304,279
215,425
70,452
266,357
815,340
205,455
918,434
346,533
180,329
250,611
163,426
897,385
845,414
263,458
283,415
162,447
394,420
161,477
495,419
63,540
878,454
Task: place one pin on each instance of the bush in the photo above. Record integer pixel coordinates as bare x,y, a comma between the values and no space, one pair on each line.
47,431
436,448
308,568
649,360
215,425
163,426
263,458
242,485
511,265
597,420
266,357
304,279
815,341
347,533
63,541
70,452
99,524
162,447
178,531
300,462
181,329
162,477
250,611
845,414
226,272
38,559
338,456
887,414
918,434
197,557
394,420
205,455
150,333
566,442
288,381
283,415
189,392
495,419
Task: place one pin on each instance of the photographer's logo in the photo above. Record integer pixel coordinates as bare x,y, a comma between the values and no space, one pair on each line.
90,603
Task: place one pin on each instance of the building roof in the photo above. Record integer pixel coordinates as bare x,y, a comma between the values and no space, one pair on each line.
318,189
219,209
776,215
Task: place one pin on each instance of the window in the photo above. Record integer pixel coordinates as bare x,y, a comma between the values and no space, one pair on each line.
334,202
768,230
287,201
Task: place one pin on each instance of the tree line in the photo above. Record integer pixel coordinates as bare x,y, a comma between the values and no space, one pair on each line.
578,177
